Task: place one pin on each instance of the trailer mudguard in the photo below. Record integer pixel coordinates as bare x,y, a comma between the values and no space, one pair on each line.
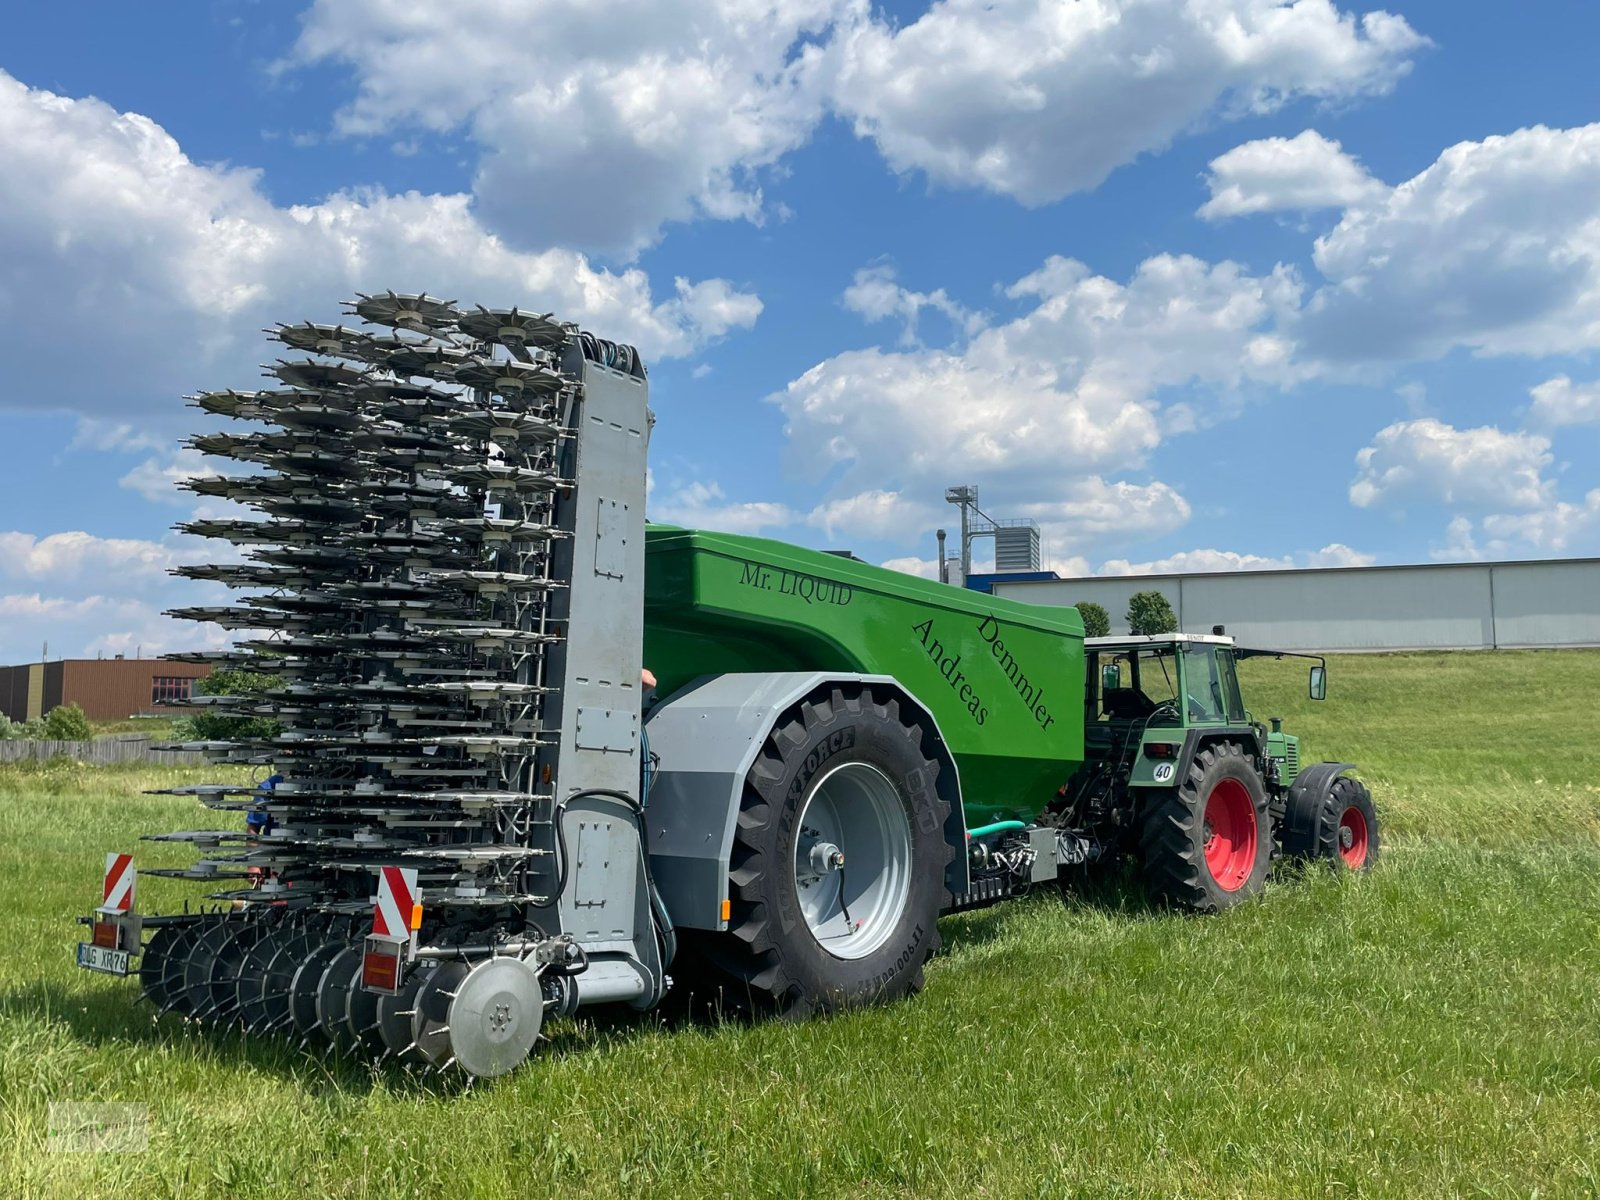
706,737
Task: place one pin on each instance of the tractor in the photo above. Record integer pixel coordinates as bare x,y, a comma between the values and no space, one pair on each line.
516,752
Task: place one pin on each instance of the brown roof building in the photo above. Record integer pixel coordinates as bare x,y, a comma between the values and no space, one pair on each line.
107,689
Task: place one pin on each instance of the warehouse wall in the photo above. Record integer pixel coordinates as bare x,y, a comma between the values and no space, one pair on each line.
1449,606
107,689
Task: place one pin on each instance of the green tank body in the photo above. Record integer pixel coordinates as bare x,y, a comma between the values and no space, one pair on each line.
1004,680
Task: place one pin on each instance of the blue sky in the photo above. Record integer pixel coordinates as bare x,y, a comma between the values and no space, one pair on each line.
1197,284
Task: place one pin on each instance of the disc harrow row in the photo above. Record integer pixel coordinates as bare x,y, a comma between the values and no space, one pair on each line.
397,587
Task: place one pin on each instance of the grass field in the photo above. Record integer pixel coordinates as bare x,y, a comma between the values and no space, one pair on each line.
1430,1030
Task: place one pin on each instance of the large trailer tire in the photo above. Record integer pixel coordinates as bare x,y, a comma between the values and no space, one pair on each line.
1337,824
1207,844
843,768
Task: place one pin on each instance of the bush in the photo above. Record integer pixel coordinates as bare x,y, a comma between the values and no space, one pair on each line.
11,731
1150,613
66,723
1096,620
217,726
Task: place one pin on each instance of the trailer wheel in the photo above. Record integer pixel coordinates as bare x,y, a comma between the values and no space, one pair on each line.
1207,845
839,858
1337,824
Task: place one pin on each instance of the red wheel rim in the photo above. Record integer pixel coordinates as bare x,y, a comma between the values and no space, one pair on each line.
1353,837
1230,835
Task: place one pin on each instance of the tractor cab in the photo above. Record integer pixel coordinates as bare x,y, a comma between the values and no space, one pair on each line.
1153,702
1167,681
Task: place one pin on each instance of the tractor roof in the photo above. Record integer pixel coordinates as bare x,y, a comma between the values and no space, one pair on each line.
1134,641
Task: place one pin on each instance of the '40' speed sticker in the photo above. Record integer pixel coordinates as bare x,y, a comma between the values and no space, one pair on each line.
1163,772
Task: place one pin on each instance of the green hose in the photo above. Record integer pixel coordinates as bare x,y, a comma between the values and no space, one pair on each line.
995,827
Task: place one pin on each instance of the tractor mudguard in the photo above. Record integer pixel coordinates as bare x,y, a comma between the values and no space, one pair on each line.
1146,772
1313,780
707,736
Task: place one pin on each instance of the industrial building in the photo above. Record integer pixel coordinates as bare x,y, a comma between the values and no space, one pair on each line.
107,689
1440,606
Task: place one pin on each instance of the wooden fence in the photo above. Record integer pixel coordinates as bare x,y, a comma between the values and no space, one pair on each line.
100,752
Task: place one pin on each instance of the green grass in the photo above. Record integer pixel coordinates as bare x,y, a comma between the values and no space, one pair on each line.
1430,1030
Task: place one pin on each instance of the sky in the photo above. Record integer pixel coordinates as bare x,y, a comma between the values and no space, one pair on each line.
1195,284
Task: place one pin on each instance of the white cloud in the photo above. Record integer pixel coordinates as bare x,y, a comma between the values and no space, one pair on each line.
876,515
598,122
107,228
78,555
158,481
1038,410
1557,529
1483,468
1278,174
700,505
875,294
1559,401
923,568
95,624
1495,247
1036,99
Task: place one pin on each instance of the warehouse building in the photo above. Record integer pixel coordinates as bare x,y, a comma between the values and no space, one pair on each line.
107,689
1441,606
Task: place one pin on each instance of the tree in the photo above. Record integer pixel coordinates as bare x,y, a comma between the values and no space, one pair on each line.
217,725
1150,613
66,723
1096,620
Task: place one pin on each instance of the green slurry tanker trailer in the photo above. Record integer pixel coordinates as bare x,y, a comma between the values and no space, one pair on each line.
468,816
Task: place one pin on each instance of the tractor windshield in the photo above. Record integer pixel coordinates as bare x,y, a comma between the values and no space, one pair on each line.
1210,685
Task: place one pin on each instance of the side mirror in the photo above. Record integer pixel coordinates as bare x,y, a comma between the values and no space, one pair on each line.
1319,683
1110,677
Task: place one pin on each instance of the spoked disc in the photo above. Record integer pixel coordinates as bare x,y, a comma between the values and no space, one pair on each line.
395,1013
513,327
174,969
361,1012
420,312
153,963
495,1016
333,996
197,970
430,1017
304,985
256,982
269,1013
222,986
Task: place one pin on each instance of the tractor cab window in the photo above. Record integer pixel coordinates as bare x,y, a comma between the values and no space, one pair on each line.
1211,689
1139,685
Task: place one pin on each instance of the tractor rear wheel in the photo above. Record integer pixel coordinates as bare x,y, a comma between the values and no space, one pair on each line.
1207,844
1338,825
839,858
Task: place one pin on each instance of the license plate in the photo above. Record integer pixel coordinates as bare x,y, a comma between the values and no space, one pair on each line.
98,958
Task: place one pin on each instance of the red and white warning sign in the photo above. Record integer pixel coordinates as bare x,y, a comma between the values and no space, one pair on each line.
398,911
395,920
120,876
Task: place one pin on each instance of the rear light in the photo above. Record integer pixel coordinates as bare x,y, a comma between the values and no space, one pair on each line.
1160,750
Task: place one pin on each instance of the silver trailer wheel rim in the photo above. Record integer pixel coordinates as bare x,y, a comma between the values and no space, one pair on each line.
853,855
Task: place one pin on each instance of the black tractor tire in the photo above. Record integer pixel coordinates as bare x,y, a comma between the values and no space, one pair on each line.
1179,870
1337,825
769,953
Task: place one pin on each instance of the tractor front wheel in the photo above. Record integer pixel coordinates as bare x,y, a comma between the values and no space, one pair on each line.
1206,845
1337,824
